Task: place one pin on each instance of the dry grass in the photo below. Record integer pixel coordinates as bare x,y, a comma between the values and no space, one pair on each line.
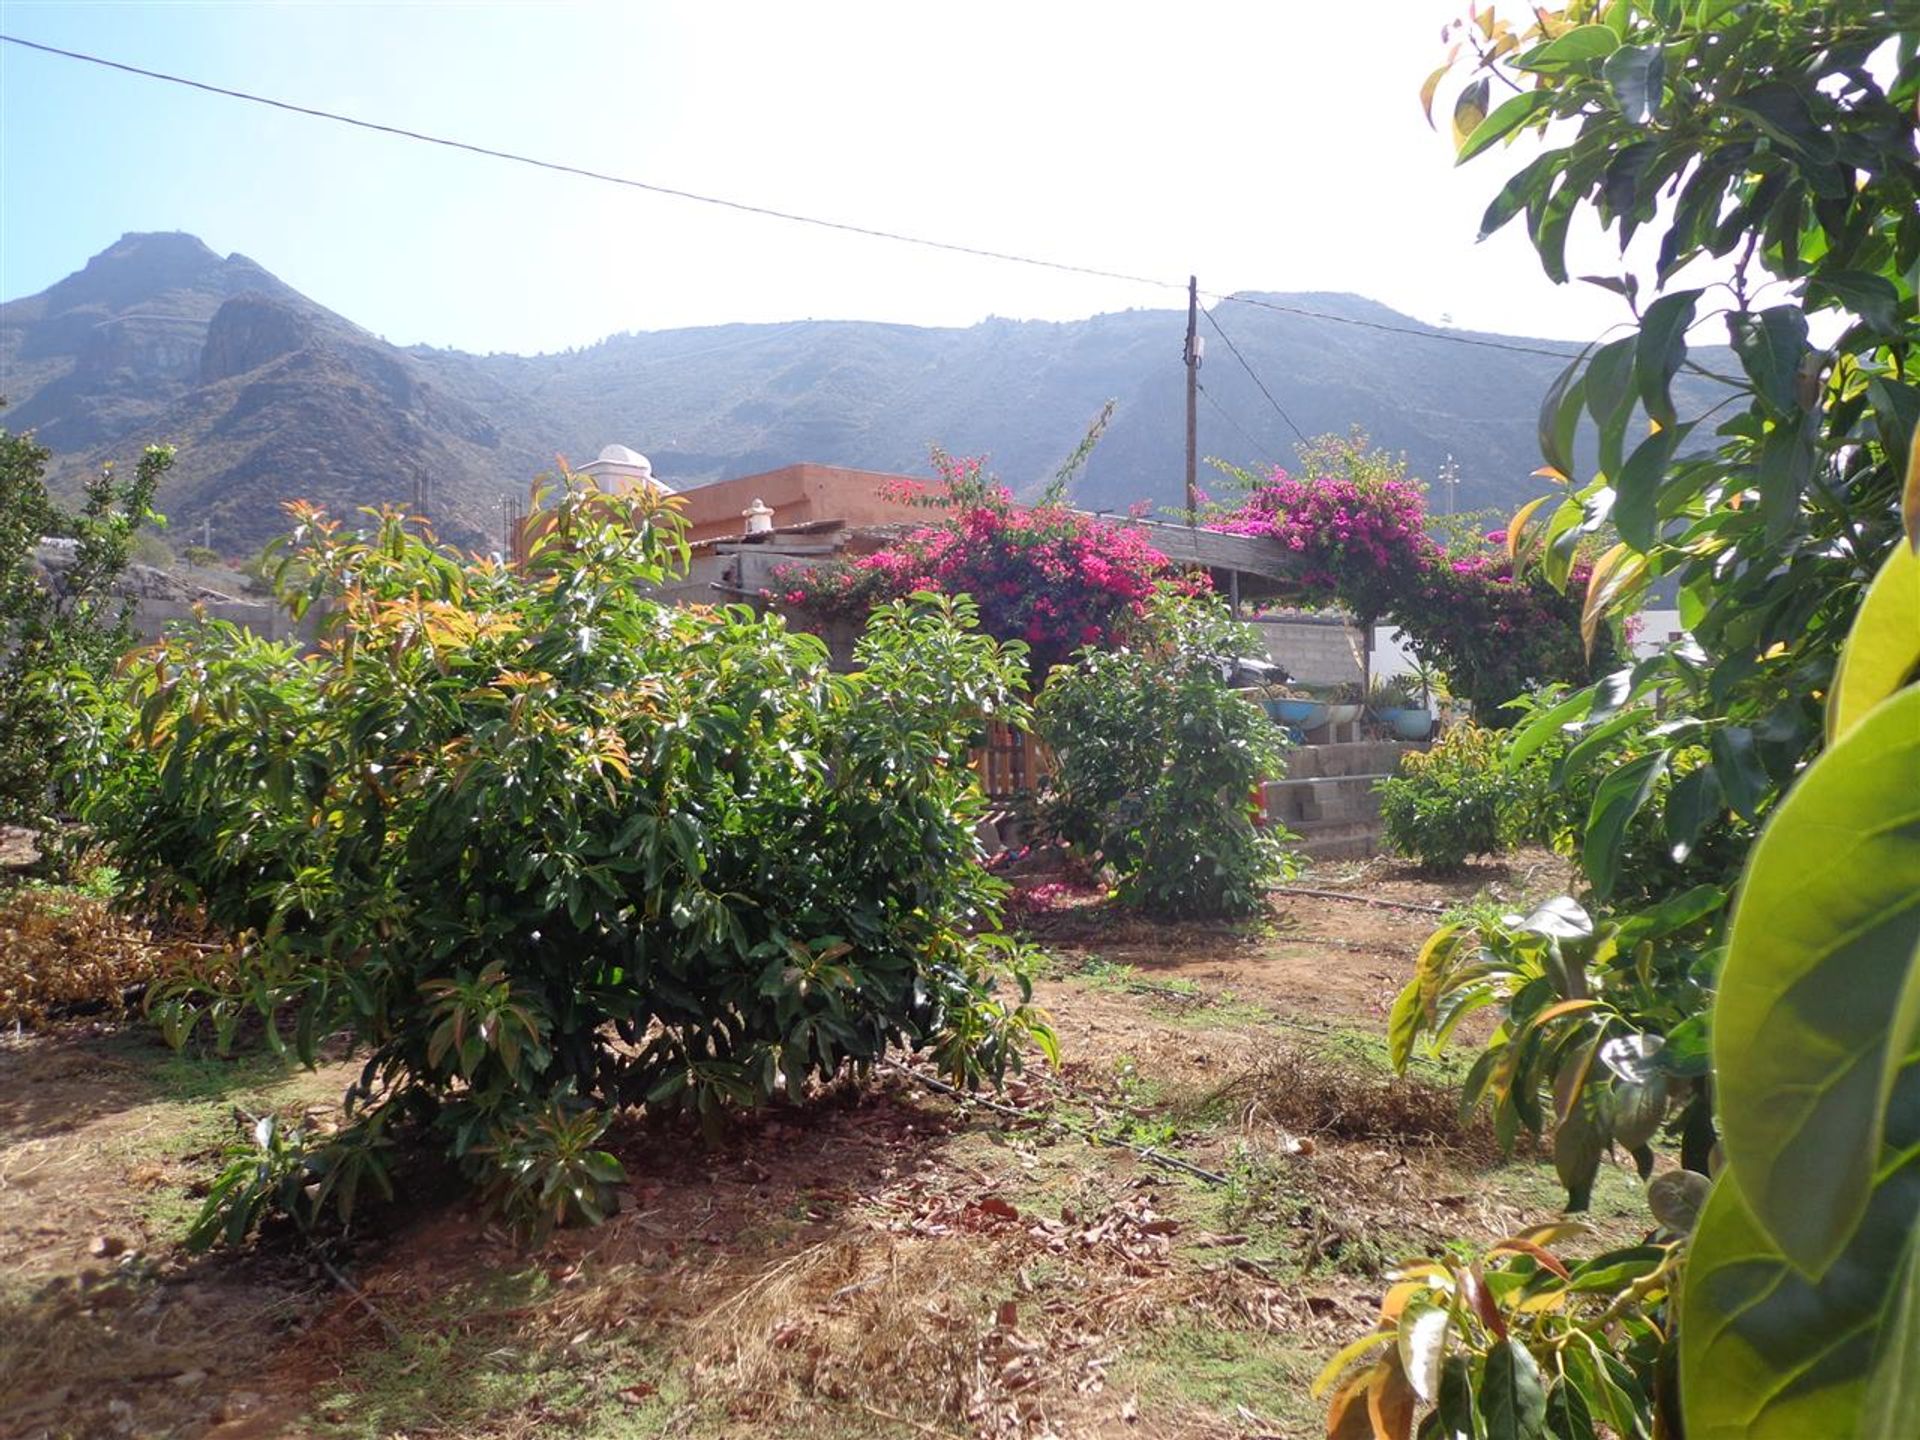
1296,1091
72,1349
60,949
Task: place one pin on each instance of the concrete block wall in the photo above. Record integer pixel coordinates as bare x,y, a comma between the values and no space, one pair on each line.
1315,649
1328,798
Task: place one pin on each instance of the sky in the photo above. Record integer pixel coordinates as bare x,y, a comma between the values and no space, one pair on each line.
1273,146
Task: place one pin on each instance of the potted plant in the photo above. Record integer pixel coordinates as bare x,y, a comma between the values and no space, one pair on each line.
1395,704
1296,707
1345,702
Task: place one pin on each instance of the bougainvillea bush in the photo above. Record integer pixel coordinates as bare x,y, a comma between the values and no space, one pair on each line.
1359,528
1045,575
547,846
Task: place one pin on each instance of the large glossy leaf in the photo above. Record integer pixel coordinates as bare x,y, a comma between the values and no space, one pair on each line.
1662,346
1578,46
1619,798
1766,1353
1637,75
1910,493
1694,800
1770,346
1882,651
1636,485
1874,298
1743,779
1512,1400
1508,117
1824,937
1560,417
1893,1385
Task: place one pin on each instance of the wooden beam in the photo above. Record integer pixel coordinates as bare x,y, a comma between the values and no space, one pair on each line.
1241,554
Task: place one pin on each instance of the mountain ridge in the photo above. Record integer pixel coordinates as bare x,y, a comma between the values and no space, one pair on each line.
272,396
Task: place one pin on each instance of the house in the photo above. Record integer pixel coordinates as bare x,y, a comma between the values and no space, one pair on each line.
743,529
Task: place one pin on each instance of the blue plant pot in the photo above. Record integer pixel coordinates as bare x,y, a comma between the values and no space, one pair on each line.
1301,714
1410,724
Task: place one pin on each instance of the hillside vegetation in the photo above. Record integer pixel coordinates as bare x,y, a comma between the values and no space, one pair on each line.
271,396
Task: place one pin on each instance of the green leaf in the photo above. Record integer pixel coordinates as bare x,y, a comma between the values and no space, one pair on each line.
1637,76
1560,416
1694,800
1767,1353
1576,48
1676,1197
1662,346
1638,1111
1781,111
1469,110
1742,778
1882,650
1771,346
1636,486
1454,1410
1508,117
1874,298
1826,933
1893,1386
1610,397
1519,192
1513,1402
1579,1144
1617,800
1569,1416
1786,465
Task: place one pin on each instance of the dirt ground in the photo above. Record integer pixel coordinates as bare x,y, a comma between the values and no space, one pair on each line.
884,1260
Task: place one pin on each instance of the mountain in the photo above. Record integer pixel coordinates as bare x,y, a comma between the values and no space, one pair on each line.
271,396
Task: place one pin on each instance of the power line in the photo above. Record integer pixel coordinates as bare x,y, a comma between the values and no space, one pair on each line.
1259,450
744,207
1278,409
582,172
1397,329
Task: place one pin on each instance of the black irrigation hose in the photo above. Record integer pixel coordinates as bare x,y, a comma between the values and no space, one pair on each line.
1416,908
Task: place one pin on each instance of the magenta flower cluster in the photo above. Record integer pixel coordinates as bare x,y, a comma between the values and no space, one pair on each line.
1363,544
1045,575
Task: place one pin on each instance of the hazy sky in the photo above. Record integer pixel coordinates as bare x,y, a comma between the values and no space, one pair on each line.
1270,146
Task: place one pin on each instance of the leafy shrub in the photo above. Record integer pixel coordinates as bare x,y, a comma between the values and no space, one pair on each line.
1558,799
548,846
48,633
1518,1341
1157,760
1447,804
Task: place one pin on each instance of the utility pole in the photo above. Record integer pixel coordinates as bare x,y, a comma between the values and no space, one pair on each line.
1193,398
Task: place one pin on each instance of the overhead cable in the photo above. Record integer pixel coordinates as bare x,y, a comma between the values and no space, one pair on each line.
766,211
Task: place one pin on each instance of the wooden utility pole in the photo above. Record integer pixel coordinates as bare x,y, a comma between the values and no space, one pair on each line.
1193,398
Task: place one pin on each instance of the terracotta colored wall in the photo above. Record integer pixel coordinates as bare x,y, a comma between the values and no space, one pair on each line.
798,494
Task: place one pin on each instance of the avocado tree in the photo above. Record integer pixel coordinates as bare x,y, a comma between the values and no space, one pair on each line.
48,631
1766,1018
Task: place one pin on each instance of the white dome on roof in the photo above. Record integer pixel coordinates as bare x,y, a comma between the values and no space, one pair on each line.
622,455
620,469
